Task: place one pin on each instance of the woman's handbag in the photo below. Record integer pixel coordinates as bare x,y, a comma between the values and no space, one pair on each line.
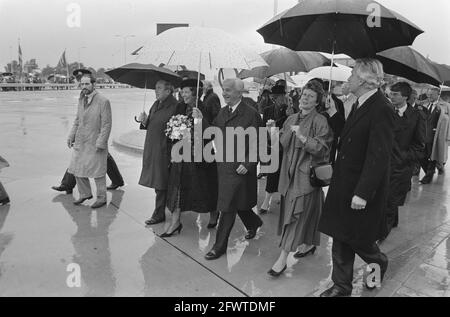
320,176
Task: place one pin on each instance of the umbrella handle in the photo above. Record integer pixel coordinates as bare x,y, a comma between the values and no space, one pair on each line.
135,119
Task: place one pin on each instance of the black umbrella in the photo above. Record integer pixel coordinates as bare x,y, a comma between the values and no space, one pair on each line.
189,74
406,62
340,26
143,75
443,71
7,74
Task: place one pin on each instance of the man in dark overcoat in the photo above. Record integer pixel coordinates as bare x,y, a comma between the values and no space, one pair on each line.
237,193
432,111
408,150
356,199
156,158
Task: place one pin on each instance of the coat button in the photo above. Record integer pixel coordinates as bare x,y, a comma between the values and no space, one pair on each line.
343,157
349,140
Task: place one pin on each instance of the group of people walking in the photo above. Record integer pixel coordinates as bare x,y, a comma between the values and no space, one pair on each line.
374,144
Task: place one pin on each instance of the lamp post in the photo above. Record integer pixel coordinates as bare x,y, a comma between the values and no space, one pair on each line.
125,37
79,56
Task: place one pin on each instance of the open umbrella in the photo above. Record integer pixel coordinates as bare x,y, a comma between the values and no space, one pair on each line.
191,74
406,62
358,28
339,73
284,60
340,26
443,72
201,49
143,75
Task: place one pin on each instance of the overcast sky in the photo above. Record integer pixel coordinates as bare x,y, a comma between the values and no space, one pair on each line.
42,26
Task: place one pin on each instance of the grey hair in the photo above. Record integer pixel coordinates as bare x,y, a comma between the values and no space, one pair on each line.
238,84
167,85
208,84
370,70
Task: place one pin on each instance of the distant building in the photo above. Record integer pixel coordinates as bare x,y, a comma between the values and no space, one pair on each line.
30,66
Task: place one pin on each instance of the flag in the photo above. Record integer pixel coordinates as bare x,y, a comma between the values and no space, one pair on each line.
62,61
20,59
136,52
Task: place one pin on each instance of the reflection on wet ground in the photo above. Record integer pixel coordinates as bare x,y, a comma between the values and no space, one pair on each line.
42,232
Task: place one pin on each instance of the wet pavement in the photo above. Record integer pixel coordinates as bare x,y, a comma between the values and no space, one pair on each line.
42,232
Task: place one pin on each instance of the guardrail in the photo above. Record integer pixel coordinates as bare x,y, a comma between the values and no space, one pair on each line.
50,86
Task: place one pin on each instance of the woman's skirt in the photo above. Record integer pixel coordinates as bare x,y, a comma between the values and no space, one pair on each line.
299,220
192,187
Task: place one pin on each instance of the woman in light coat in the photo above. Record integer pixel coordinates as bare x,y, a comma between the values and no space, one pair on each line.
306,139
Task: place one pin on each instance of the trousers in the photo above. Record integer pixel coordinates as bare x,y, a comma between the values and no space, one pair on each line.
226,223
84,187
112,170
343,255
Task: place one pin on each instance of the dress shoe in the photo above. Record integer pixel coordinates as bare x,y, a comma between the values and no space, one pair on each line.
335,291
299,255
4,201
211,225
98,204
426,179
382,273
274,273
263,211
62,188
169,234
252,232
113,186
441,171
213,254
154,221
81,200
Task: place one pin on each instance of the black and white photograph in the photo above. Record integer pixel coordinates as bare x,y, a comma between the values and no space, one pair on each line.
228,153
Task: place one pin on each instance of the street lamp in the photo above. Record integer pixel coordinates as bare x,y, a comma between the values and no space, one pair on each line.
124,37
79,56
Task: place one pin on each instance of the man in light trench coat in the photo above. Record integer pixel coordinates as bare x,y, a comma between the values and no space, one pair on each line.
89,140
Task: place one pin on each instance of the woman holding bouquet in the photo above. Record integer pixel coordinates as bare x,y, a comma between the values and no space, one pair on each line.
192,185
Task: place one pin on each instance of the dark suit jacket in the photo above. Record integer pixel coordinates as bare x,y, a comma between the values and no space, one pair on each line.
362,168
408,148
431,121
237,192
211,106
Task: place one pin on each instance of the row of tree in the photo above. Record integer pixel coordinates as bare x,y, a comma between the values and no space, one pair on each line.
49,70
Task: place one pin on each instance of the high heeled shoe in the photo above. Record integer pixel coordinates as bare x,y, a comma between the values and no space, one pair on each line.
169,234
274,273
299,255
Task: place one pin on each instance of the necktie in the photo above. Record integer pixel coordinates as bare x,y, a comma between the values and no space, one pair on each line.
230,109
431,107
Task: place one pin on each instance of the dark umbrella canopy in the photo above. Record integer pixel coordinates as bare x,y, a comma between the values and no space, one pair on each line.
143,75
284,60
406,62
443,72
190,74
320,25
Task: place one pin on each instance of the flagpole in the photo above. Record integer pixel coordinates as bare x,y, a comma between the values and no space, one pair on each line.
67,69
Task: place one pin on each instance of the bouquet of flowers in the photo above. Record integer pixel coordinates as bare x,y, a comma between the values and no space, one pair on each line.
178,127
